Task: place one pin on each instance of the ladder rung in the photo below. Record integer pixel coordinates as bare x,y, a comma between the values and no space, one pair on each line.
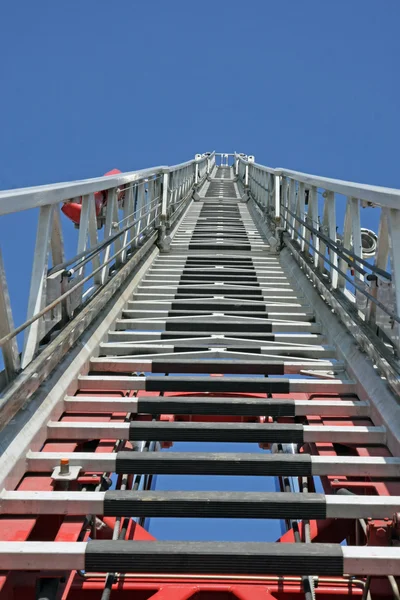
130,315
209,463
254,337
190,405
246,558
154,383
210,505
223,324
205,365
306,352
216,432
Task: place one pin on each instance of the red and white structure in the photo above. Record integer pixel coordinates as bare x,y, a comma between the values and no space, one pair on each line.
214,301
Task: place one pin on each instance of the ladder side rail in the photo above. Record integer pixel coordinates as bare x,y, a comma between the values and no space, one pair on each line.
59,287
333,239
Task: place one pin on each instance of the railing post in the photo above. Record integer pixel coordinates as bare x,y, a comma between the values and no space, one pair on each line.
292,204
381,261
343,263
277,199
164,241
394,245
83,229
129,217
108,230
330,223
38,283
164,206
356,232
10,349
300,210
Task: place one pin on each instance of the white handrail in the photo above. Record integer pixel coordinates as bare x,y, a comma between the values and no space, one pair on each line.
16,200
377,195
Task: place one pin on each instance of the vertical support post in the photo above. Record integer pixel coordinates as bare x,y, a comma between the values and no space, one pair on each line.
285,201
246,177
312,221
381,260
139,210
128,218
115,229
83,230
149,200
55,287
38,283
300,210
277,180
163,240
343,264
356,232
108,227
394,248
331,208
10,349
93,238
292,205
164,205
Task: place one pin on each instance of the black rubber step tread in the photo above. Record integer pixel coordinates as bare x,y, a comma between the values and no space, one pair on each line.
219,306
244,270
187,405
237,282
219,259
191,295
203,260
244,385
221,291
200,234
195,365
196,246
214,505
217,325
242,558
209,463
268,433
215,277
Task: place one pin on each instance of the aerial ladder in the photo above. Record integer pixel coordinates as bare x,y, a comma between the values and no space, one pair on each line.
215,301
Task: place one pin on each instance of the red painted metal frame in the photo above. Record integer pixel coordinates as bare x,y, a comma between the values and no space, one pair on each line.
75,586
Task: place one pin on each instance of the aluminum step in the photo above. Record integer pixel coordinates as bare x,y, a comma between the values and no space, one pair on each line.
197,463
193,405
260,433
205,505
203,364
236,558
155,383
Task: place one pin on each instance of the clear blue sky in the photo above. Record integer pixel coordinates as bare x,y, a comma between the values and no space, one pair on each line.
90,85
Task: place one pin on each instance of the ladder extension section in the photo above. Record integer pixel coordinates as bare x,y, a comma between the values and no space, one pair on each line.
218,343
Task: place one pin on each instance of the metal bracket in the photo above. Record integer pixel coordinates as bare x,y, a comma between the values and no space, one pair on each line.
71,475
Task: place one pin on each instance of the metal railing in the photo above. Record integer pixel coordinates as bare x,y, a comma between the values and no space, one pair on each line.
134,207
321,219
